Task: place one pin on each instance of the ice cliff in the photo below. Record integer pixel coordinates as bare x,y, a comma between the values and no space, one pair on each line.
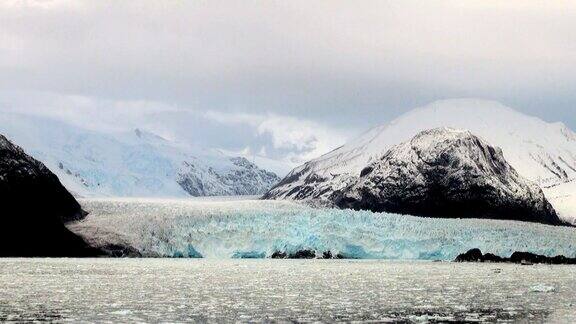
257,229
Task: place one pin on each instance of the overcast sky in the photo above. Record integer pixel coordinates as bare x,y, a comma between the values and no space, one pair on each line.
285,79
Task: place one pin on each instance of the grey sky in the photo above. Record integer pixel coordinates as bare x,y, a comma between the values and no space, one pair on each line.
288,79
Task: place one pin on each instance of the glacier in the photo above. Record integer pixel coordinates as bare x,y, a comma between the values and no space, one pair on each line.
248,228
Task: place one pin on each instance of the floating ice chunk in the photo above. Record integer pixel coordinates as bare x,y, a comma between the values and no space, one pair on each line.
542,288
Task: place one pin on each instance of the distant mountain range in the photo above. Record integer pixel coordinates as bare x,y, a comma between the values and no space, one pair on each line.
542,152
132,163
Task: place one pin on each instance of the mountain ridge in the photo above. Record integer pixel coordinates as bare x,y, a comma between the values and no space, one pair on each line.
130,163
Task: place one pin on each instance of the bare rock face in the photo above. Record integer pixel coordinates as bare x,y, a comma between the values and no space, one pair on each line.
447,173
35,207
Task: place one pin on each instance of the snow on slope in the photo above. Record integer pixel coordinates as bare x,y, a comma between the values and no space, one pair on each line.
135,163
542,152
563,199
227,229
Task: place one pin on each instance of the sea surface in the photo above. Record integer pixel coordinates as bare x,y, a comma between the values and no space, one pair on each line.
265,290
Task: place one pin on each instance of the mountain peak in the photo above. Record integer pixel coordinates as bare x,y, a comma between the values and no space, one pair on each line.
445,172
539,151
441,172
543,152
148,136
442,133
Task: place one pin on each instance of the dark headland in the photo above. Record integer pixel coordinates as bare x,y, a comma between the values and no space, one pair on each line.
475,255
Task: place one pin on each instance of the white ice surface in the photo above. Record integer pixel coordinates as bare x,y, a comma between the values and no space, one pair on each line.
254,228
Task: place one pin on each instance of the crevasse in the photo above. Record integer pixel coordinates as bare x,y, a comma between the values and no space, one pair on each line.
256,229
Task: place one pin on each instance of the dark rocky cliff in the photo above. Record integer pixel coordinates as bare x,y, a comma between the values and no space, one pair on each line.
34,207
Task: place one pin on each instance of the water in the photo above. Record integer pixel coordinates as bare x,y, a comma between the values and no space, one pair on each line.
177,290
219,228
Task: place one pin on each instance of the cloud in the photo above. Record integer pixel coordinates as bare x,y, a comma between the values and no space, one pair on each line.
336,67
308,139
284,138
83,111
299,139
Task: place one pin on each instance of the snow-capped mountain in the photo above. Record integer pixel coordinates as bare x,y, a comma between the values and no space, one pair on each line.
446,172
133,163
542,152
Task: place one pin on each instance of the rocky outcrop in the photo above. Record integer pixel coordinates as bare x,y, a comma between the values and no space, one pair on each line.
439,173
475,255
34,208
306,254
